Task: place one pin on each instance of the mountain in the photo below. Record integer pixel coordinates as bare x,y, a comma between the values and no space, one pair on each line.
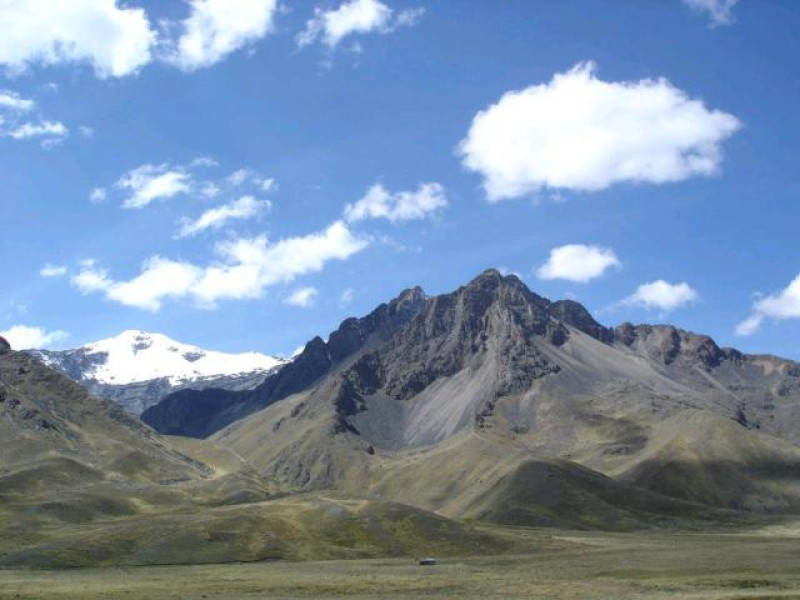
199,414
84,483
137,369
54,434
419,427
441,402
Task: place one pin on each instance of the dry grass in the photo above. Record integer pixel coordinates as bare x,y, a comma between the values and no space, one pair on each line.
641,566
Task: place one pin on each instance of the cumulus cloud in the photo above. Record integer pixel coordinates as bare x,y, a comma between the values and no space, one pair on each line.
245,207
216,28
784,304
719,11
302,297
379,203
24,337
577,262
116,40
152,182
580,133
245,268
353,17
662,295
53,270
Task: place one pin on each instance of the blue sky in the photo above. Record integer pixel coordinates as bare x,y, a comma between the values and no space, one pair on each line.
262,171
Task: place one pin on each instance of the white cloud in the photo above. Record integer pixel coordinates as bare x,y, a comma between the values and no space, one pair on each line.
577,262
86,131
780,305
24,337
91,278
52,270
750,325
116,40
160,279
378,202
267,184
15,121
237,178
204,161
248,176
216,28
719,11
245,207
98,195
353,17
580,133
303,297
210,189
662,295
10,100
51,132
244,269
347,297
152,182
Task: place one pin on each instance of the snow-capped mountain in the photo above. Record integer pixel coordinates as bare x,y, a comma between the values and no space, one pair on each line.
138,368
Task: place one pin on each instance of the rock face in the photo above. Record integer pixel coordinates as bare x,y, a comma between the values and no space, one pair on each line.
218,408
4,345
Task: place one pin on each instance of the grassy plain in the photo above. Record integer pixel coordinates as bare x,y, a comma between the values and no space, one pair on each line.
557,565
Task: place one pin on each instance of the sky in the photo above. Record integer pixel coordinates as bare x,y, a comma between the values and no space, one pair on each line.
245,174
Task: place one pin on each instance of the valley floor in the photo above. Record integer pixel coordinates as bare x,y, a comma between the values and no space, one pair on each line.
559,565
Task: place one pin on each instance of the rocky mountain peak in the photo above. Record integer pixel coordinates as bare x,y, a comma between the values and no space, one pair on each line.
4,346
491,281
575,314
490,278
667,344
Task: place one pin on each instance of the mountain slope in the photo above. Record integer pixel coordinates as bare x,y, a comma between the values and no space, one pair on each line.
179,414
306,527
55,434
83,483
137,369
701,457
541,379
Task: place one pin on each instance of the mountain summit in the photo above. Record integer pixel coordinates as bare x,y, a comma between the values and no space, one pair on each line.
138,368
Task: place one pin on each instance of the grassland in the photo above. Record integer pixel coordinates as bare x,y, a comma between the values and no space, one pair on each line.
556,565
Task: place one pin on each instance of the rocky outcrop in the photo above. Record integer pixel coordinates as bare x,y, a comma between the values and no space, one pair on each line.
574,314
667,344
220,407
4,346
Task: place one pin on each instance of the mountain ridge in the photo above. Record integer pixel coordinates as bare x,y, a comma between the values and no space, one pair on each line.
661,343
137,368
492,360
